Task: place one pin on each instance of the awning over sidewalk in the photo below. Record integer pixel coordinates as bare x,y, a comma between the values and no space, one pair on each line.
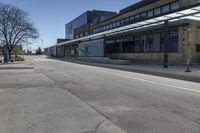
190,12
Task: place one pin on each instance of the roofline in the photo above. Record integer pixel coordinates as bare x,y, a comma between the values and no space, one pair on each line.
119,14
76,17
91,12
137,5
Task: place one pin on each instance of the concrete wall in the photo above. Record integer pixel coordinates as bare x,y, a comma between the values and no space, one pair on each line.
149,58
188,42
91,48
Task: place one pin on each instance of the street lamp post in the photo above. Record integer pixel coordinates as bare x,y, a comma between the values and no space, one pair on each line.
42,43
166,46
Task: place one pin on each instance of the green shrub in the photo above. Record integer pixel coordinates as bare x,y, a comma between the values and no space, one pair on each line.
19,58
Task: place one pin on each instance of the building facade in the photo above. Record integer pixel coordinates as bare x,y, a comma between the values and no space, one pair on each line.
87,18
146,44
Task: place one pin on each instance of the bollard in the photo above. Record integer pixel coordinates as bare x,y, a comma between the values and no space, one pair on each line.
188,66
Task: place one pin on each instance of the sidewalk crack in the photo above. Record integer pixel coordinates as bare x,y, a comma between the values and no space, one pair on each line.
96,128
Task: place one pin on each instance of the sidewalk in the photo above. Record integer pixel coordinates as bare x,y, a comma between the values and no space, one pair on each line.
32,102
15,65
176,72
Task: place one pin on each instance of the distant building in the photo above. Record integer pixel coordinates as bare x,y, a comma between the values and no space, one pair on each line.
89,17
150,31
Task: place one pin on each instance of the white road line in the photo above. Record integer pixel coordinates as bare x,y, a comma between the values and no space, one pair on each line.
144,80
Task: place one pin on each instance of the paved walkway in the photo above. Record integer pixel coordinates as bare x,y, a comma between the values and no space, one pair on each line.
177,72
30,102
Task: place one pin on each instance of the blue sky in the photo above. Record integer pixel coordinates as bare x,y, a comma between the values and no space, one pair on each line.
50,16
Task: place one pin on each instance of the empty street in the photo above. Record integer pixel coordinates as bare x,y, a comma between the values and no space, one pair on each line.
58,97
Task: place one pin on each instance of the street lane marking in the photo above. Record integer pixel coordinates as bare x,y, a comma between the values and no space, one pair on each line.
144,80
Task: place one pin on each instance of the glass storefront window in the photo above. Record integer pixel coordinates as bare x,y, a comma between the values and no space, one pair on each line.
137,43
149,43
156,42
127,45
162,41
173,41
143,42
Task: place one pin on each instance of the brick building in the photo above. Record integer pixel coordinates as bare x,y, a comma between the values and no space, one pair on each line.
145,32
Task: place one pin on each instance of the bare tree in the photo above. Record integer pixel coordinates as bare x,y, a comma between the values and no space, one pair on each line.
15,27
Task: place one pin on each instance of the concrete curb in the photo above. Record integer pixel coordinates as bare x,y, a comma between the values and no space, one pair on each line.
15,68
155,73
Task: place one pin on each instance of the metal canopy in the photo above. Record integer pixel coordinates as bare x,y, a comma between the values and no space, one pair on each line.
191,12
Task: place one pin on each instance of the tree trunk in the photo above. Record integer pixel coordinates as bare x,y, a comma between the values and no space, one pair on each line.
10,54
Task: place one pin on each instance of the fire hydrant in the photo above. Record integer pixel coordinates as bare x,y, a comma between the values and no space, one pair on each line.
188,66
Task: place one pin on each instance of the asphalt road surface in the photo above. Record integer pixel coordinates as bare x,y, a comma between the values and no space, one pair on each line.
136,103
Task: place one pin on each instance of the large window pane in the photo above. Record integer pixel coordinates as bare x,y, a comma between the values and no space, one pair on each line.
126,21
156,42
122,22
104,27
127,45
137,17
137,43
118,23
132,19
111,26
198,36
143,42
143,15
198,39
157,11
162,41
174,6
149,43
112,46
114,25
107,27
150,13
165,9
173,41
